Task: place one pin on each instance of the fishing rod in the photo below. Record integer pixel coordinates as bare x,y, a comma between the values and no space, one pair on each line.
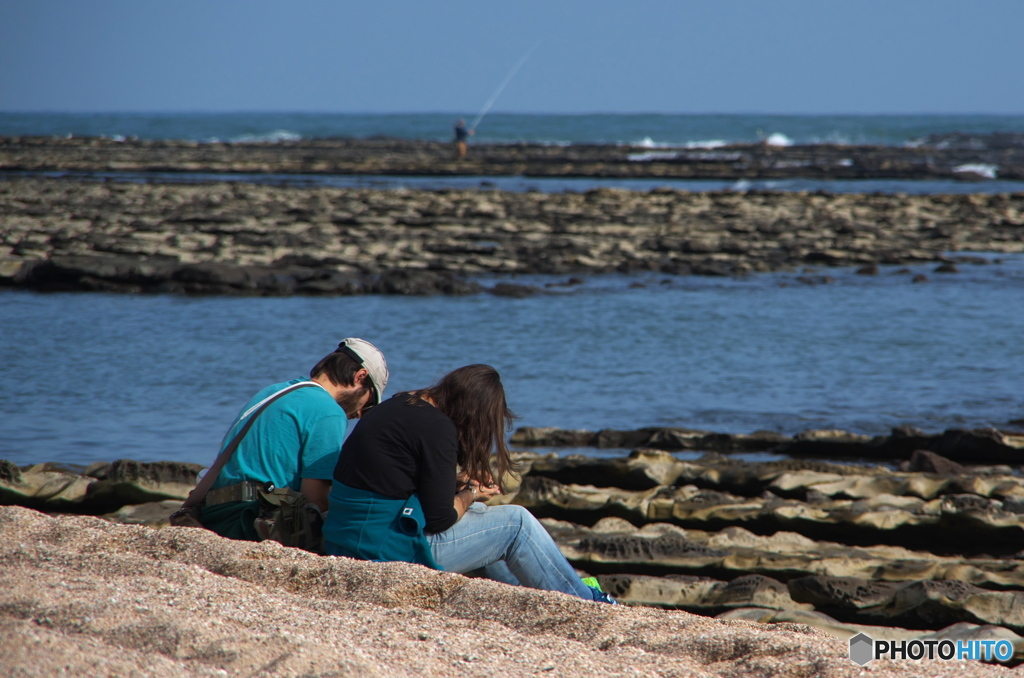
501,87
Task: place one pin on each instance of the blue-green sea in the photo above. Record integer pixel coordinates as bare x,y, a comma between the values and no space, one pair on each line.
97,377
638,129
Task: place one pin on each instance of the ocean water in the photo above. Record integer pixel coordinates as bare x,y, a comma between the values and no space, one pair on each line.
98,377
653,130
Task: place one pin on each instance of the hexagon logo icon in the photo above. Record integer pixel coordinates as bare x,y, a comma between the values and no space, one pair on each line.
862,649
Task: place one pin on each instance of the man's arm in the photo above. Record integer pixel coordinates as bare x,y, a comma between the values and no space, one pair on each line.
316,491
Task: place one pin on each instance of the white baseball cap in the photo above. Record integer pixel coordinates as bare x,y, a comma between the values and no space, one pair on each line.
369,357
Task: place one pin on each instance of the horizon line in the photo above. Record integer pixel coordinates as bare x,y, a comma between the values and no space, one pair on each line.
493,113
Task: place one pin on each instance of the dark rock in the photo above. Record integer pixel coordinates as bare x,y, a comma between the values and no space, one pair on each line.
212,277
915,604
947,268
924,461
639,549
129,482
325,282
612,439
9,472
14,271
128,470
702,595
571,282
513,290
827,444
711,269
657,438
418,283
828,593
530,436
276,284
816,280
96,272
974,446
676,268
642,470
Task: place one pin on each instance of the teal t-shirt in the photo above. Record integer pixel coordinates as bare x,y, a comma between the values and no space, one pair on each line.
298,436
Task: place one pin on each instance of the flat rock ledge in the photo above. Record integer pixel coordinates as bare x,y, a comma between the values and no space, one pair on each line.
237,238
964,157
81,596
974,446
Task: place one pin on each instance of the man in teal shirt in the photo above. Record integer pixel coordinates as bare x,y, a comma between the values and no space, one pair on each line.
296,440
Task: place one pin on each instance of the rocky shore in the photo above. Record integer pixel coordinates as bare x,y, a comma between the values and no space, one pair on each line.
967,446
920,547
248,239
952,156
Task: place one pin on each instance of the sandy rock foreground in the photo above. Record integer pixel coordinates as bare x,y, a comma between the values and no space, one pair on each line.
84,597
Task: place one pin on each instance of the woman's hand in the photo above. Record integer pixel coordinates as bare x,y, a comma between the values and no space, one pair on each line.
485,492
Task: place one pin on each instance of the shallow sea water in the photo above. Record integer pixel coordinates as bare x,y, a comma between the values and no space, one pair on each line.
98,377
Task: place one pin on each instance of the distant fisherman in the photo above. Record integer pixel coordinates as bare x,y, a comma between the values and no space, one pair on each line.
461,135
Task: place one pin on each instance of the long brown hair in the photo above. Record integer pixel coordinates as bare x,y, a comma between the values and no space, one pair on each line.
474,399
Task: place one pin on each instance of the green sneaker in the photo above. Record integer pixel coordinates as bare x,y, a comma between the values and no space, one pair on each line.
595,587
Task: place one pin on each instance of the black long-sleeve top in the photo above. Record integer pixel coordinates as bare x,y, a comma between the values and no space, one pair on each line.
402,446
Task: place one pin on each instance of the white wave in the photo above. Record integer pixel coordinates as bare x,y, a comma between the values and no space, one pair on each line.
741,185
648,142
833,139
271,137
729,156
714,143
987,171
652,155
778,139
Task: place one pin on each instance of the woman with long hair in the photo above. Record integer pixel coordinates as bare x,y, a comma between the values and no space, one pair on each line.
409,478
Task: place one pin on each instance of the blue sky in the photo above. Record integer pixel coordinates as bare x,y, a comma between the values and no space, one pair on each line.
670,56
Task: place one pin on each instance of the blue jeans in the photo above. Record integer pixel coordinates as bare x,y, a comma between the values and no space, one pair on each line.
512,547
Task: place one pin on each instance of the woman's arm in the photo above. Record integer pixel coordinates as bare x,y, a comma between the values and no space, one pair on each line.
435,484
472,491
463,500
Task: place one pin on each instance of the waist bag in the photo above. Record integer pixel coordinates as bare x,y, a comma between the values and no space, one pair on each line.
284,515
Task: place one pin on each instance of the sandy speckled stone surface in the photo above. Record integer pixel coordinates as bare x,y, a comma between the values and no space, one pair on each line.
83,597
